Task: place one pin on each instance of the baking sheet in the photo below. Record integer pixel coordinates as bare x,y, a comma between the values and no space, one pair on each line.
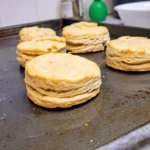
122,105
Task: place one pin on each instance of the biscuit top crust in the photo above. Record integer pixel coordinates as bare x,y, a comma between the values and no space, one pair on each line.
127,45
29,33
60,67
84,29
42,45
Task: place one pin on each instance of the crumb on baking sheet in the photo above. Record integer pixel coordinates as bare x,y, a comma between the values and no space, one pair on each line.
86,124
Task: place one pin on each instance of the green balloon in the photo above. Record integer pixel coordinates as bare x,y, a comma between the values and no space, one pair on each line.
98,11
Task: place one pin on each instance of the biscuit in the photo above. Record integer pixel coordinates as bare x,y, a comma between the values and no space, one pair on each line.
24,58
88,34
67,70
85,87
59,80
85,48
27,51
129,54
84,29
54,102
30,33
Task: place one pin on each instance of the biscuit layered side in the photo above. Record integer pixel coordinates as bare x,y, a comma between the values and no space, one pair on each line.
129,54
85,37
30,33
27,51
59,80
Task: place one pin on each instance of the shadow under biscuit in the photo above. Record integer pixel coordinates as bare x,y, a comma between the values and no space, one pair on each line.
72,117
22,71
128,72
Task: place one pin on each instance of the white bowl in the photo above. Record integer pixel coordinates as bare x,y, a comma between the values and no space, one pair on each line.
135,14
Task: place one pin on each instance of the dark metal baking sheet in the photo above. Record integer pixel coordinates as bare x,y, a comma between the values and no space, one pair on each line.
122,105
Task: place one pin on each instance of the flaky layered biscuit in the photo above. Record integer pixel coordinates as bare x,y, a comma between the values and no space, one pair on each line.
24,58
30,33
129,54
59,80
26,51
42,45
80,89
86,33
90,45
85,48
54,102
103,39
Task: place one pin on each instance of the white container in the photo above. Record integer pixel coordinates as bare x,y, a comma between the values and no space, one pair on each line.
110,6
135,14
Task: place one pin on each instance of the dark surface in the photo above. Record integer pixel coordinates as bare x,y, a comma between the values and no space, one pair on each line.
122,105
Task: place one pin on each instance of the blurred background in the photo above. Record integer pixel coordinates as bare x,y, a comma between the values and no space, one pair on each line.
27,11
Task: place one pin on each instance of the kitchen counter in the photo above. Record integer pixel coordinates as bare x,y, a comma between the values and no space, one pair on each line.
112,20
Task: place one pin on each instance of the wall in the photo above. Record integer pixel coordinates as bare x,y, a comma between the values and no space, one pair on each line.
15,12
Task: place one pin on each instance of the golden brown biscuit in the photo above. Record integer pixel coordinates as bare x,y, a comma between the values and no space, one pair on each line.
26,51
55,102
86,33
59,80
85,87
129,54
30,33
62,68
85,48
24,58
40,47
